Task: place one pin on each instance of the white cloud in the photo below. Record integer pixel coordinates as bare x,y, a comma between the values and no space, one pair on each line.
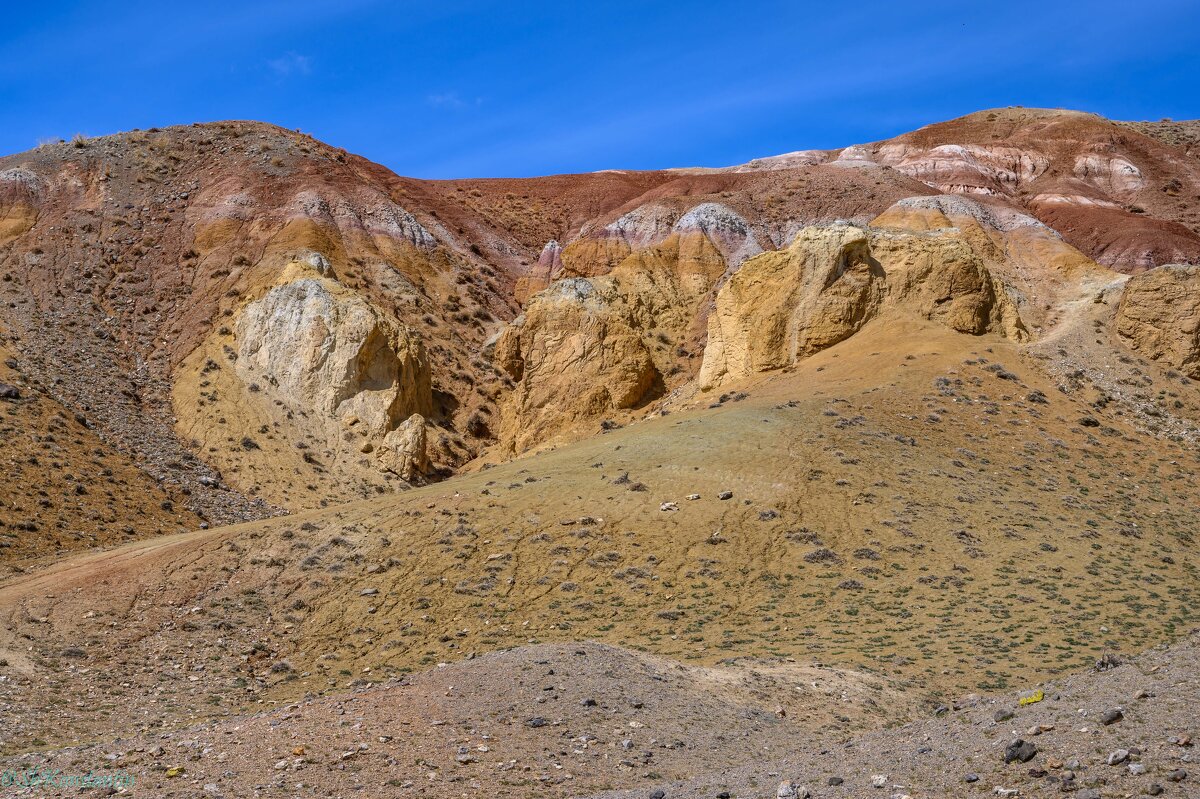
452,100
290,63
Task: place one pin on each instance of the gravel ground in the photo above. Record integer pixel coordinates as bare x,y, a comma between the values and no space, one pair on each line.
547,720
1119,732
599,721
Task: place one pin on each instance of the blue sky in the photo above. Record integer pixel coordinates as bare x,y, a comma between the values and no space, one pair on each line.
473,89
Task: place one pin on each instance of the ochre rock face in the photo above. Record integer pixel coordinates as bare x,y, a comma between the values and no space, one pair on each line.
1159,316
328,354
588,347
19,193
943,279
574,355
311,379
1042,273
153,245
786,305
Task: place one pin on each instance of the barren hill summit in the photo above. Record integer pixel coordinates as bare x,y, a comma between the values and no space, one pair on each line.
1123,193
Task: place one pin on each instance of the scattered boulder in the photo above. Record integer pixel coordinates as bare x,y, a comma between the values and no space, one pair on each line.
405,450
1020,751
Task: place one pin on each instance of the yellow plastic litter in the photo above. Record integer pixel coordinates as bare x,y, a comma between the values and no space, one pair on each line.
174,771
1033,698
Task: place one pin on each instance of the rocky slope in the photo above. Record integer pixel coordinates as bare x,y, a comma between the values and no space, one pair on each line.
157,262
591,716
939,509
63,488
829,442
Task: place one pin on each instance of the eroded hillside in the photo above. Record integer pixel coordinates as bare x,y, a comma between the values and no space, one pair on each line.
172,267
810,447
1125,194
935,508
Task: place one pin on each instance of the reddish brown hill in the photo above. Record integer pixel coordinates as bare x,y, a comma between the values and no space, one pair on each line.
129,260
1128,195
182,289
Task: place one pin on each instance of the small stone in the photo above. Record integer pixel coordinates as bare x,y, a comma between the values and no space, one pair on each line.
1020,751
1155,789
1178,775
1088,793
1118,757
1002,715
668,506
833,781
725,495
971,778
1111,716
1137,768
878,780
535,722
658,793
